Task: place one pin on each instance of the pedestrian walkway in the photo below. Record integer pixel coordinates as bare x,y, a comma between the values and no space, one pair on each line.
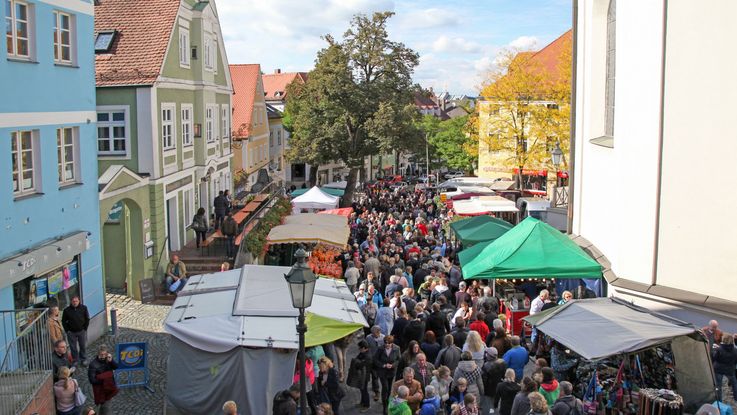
137,323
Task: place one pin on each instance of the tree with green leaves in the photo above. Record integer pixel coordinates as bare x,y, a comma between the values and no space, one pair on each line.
453,143
357,101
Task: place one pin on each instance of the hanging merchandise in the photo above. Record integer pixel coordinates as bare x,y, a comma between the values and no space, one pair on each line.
660,402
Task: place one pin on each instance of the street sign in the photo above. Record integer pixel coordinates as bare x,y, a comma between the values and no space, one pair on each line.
132,369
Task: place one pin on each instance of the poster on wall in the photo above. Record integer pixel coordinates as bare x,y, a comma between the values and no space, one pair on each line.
55,283
69,273
38,292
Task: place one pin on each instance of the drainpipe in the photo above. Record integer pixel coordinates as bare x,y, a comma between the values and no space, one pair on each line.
661,122
572,145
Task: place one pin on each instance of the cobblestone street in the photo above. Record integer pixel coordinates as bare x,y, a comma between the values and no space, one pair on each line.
137,323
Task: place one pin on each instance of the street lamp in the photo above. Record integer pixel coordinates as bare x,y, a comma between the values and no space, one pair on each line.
557,156
301,282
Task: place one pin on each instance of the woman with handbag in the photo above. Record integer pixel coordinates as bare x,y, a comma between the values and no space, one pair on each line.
66,390
328,387
199,225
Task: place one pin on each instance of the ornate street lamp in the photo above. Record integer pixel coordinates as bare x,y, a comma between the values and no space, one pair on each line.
557,156
301,282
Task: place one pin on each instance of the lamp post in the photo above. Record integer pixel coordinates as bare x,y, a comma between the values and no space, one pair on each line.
557,156
301,282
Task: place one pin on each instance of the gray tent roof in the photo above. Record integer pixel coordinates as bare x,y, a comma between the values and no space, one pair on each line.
602,327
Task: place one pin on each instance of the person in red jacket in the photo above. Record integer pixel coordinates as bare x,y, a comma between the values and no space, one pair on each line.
480,325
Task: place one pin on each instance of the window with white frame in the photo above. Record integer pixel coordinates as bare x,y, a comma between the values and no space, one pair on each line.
188,206
18,29
167,127
209,125
183,47
225,124
208,53
24,153
66,145
186,125
62,38
112,134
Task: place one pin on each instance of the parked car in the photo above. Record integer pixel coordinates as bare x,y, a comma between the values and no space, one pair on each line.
452,174
399,186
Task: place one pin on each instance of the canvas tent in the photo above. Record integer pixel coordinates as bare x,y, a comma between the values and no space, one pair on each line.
607,327
336,236
315,199
532,249
329,190
479,229
484,205
313,219
234,337
340,211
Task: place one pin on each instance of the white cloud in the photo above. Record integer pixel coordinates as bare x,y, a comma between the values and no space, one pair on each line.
429,19
524,43
455,45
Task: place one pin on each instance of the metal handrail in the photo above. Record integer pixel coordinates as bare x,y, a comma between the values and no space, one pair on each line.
240,255
26,359
161,255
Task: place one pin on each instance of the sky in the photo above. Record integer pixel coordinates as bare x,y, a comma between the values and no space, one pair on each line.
457,40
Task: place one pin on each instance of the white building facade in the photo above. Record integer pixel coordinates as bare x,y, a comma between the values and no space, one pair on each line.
654,149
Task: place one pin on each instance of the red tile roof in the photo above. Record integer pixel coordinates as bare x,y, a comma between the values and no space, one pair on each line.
245,83
278,82
548,58
424,102
143,31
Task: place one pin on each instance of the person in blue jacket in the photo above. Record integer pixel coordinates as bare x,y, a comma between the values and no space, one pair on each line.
517,357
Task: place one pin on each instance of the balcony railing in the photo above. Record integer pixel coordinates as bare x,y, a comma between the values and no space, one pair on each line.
560,197
26,357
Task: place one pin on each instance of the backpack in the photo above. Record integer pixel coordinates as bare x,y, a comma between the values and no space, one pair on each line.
576,409
280,399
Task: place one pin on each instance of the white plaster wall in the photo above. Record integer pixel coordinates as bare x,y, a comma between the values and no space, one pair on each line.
698,233
615,187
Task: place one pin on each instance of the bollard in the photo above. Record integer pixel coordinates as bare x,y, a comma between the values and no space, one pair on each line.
113,321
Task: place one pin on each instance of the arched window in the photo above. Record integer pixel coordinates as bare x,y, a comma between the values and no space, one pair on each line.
611,43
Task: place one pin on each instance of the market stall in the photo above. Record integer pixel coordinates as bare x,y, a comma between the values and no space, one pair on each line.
651,351
485,205
336,236
532,250
340,211
313,219
314,199
329,190
479,229
227,326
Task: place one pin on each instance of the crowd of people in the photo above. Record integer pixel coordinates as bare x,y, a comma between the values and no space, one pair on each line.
435,344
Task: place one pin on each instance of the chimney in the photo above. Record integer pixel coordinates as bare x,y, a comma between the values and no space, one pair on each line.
277,71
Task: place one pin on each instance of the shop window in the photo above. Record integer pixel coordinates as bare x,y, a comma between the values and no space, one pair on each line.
55,287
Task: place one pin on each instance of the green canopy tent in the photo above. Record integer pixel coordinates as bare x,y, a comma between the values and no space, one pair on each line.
323,330
475,230
329,190
532,249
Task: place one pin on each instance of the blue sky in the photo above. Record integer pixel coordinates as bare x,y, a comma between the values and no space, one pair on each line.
457,40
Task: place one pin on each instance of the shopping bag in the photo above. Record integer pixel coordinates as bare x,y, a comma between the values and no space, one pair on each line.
590,404
79,396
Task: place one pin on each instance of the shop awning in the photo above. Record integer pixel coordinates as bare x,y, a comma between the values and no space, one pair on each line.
602,327
532,249
315,199
341,211
329,190
314,219
483,205
336,236
480,229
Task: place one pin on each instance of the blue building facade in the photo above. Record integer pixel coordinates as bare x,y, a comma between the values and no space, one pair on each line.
49,209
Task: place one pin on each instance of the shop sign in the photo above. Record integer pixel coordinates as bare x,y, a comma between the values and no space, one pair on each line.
132,365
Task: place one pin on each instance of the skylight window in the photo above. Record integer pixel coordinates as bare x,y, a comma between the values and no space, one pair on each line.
104,41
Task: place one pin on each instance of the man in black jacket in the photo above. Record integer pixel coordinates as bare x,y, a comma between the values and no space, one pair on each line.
437,322
229,228
75,321
386,361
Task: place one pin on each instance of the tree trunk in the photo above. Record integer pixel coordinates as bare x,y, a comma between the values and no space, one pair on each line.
313,175
519,178
349,188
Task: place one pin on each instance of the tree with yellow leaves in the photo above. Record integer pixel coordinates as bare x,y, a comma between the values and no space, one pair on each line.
525,110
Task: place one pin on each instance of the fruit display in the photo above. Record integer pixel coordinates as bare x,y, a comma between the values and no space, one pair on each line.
322,261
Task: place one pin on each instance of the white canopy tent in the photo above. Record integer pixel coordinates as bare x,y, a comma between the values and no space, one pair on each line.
483,205
314,219
230,325
315,199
